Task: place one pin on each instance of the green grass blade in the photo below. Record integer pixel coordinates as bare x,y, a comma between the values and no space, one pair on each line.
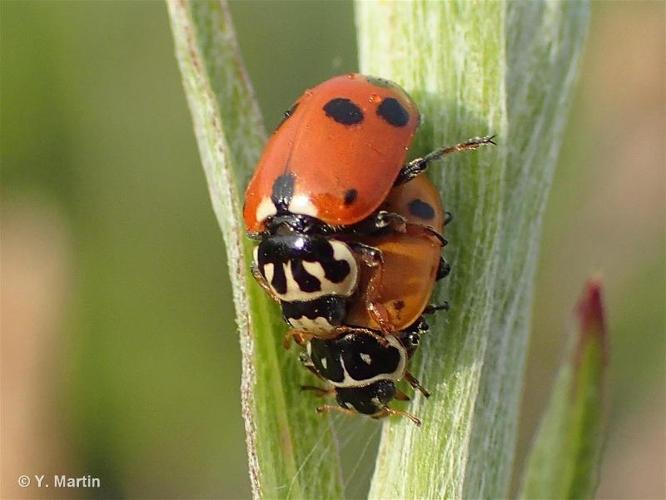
476,68
565,457
544,42
291,450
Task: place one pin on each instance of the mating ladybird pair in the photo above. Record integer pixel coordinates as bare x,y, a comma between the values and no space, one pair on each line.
350,237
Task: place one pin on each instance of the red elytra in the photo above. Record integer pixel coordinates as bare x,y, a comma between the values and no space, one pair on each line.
343,142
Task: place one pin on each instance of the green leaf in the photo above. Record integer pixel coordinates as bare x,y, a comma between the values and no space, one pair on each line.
565,457
291,450
476,68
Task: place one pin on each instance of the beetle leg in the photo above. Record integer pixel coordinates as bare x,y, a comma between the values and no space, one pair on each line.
319,391
256,236
380,314
343,330
397,413
419,165
380,221
401,396
299,336
433,308
428,231
372,258
332,408
413,381
306,361
439,236
443,269
395,221
263,283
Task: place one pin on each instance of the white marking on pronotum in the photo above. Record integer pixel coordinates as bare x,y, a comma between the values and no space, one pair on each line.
324,363
301,204
344,289
269,271
316,270
265,209
397,374
294,291
366,358
317,325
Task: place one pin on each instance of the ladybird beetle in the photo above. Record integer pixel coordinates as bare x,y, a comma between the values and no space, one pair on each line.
334,157
362,372
412,260
317,192
392,297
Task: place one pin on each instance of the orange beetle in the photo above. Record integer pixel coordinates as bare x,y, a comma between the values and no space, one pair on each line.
330,184
337,153
412,261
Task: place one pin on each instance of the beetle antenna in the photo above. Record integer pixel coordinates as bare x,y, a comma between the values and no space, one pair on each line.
419,165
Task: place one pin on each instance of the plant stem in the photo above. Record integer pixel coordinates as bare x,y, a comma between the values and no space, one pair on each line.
476,68
291,450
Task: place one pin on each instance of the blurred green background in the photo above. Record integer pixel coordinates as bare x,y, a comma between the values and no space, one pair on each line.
119,352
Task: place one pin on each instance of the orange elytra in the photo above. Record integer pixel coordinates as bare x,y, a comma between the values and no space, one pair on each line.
337,153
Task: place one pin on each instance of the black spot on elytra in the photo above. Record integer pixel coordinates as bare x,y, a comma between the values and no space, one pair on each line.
393,112
283,191
350,196
421,209
399,304
343,111
287,114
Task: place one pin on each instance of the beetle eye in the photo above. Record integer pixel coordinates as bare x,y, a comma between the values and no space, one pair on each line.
414,340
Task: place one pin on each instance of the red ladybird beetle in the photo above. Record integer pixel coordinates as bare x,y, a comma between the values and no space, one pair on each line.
317,195
335,156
